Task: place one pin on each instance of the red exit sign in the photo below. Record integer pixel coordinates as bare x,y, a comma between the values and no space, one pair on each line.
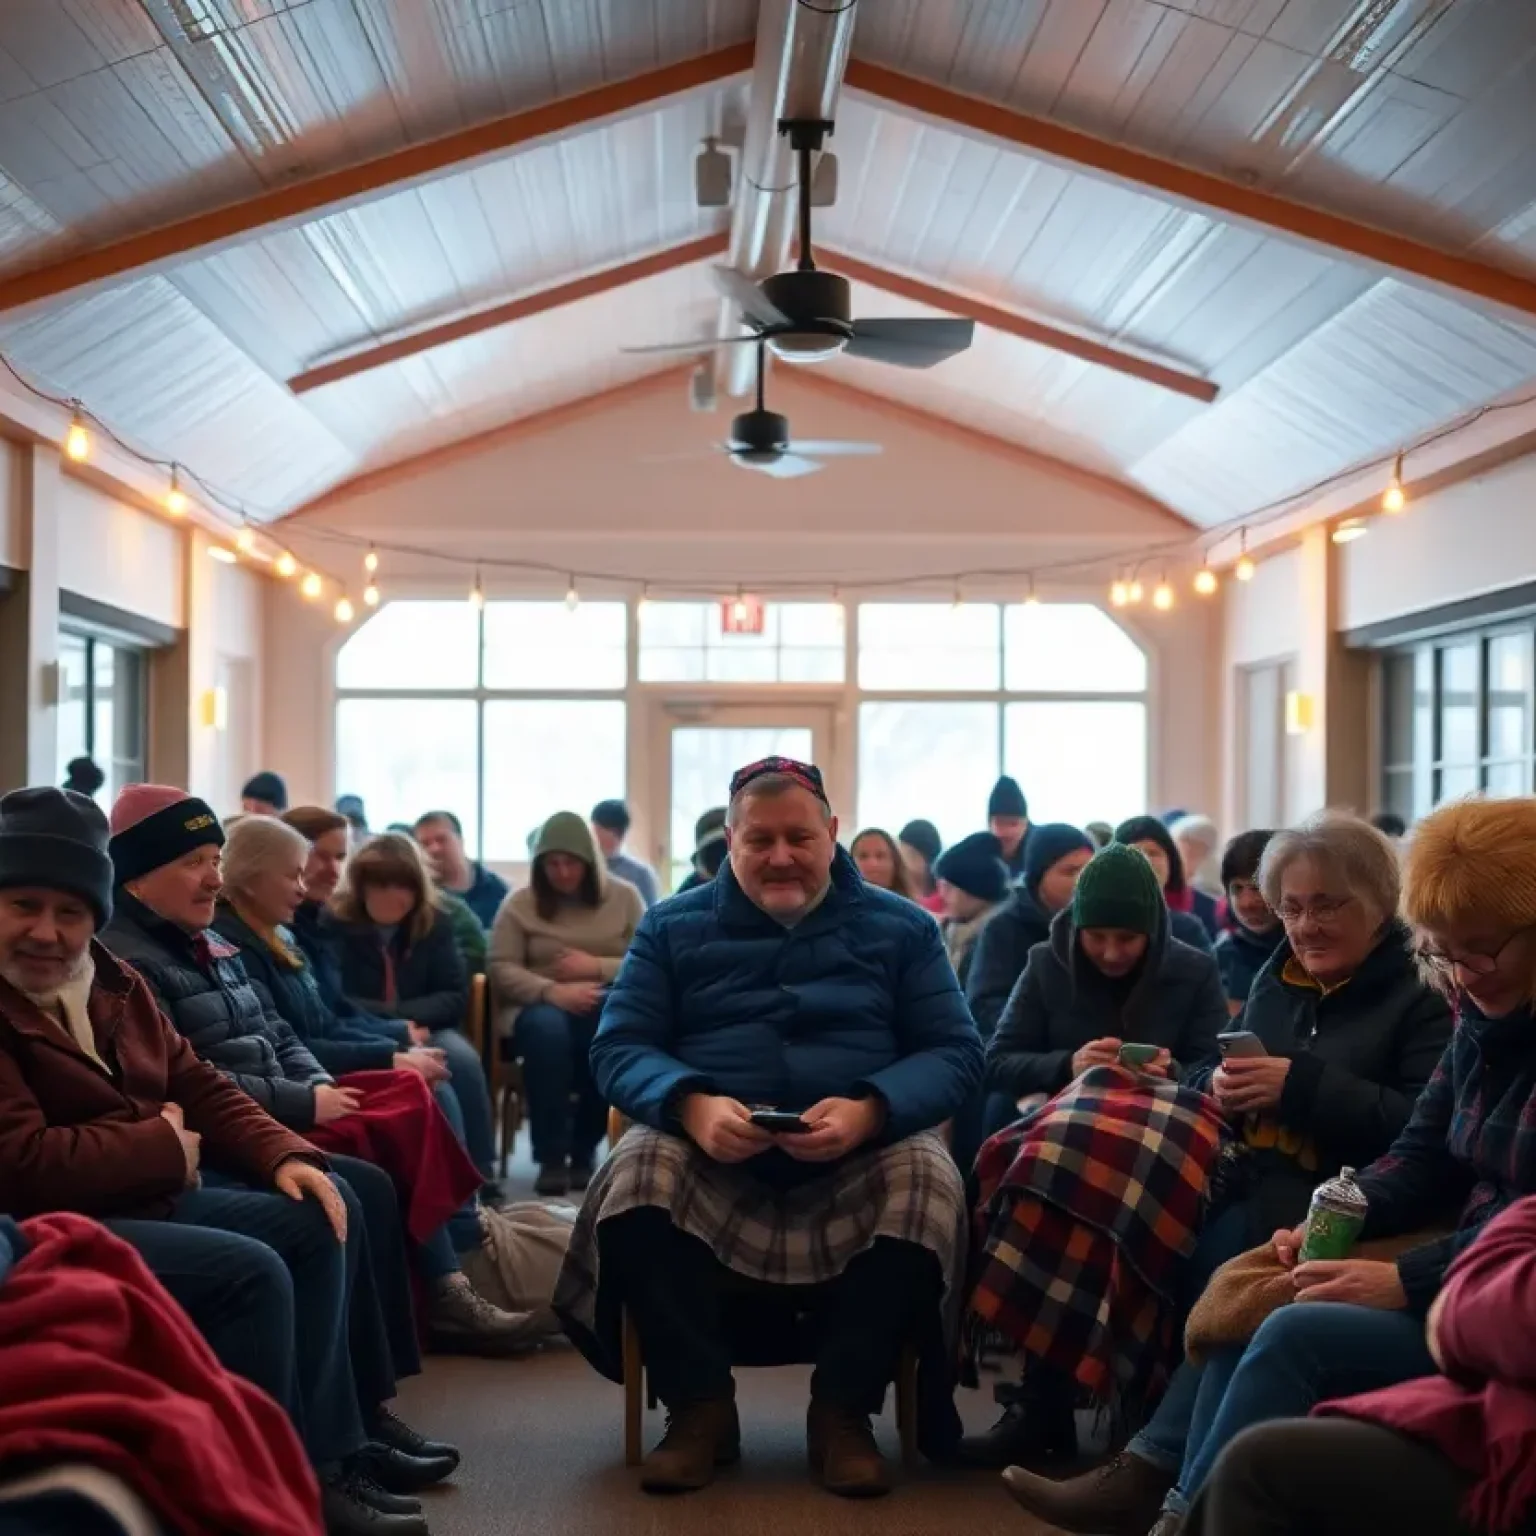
742,615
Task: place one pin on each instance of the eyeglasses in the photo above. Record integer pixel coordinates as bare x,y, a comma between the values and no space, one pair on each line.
1322,910
1473,965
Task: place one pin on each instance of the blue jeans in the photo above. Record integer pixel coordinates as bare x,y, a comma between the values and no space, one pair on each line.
1304,1354
1163,1437
473,1092
266,1283
464,1224
554,1046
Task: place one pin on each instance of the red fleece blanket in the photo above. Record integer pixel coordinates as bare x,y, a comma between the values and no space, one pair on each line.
400,1128
98,1364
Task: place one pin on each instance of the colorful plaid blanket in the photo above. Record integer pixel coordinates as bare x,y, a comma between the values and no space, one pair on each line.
1086,1210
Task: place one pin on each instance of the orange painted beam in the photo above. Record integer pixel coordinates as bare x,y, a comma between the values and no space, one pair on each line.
520,308
1463,275
392,172
1055,337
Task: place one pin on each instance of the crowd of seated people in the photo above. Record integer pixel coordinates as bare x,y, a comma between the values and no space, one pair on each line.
1114,1071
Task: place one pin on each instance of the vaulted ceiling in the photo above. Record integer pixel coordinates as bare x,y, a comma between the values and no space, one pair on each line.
202,202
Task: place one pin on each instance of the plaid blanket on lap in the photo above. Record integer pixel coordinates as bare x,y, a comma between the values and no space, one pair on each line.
1087,1209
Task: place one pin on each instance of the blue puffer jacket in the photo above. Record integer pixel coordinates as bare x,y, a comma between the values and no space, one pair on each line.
201,986
715,996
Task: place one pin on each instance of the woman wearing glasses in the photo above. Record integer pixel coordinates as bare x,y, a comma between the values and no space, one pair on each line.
1349,1033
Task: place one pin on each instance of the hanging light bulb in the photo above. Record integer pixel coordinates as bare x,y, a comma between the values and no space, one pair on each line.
345,612
643,607
1349,530
285,565
477,593
1134,593
1162,594
1395,498
1031,597
222,554
245,540
371,560
1205,579
572,596
959,601
77,441
311,585
1119,593
739,608
1243,570
176,498
371,595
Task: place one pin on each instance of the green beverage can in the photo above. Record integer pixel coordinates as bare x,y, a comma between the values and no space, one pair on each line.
1334,1219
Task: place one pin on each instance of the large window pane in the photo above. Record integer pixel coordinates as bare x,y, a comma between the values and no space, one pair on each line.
1069,648
1509,685
686,643
1459,703
930,646
406,756
543,756
432,645
74,727
549,646
1078,762
1508,778
938,761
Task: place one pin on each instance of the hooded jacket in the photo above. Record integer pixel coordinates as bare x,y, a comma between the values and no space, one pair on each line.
525,946
1001,953
1174,999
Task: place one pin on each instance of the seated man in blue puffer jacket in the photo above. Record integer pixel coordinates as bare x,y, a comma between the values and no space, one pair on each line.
787,984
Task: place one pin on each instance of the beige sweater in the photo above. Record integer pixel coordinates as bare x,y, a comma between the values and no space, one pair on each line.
524,946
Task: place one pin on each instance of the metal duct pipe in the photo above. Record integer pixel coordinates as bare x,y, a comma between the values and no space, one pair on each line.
801,54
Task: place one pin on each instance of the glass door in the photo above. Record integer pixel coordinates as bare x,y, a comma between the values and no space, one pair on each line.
704,746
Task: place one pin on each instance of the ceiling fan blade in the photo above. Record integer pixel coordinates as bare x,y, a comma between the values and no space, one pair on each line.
748,297
698,344
788,466
834,450
910,343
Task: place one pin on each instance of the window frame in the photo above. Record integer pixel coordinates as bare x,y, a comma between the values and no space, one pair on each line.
138,655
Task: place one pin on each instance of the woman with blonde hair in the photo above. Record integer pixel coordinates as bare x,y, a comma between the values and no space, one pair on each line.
1469,894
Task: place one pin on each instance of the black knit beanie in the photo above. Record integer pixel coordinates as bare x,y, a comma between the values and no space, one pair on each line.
57,839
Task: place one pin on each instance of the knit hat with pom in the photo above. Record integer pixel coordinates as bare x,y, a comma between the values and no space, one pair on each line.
154,825
1470,862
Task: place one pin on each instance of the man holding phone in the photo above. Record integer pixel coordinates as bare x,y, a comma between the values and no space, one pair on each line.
787,1041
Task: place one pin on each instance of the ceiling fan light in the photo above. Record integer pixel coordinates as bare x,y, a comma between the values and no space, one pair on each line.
806,346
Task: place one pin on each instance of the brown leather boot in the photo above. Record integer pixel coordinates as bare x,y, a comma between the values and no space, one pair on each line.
844,1457
699,1438
1121,1498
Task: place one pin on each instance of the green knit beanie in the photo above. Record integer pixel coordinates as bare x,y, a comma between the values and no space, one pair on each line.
1118,889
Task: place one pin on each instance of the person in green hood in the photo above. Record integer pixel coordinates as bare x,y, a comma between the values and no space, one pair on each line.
555,947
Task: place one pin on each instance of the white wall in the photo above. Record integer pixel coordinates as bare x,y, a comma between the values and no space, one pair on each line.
1469,539
111,552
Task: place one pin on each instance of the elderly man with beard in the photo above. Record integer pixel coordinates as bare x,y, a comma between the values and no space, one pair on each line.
106,1111
787,1039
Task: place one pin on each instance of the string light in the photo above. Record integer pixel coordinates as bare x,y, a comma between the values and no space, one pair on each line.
1349,530
77,441
959,601
311,585
1162,594
371,595
1243,570
643,607
1119,593
1134,593
345,612
223,555
1395,498
371,560
1205,578
572,596
285,565
1031,598
739,608
245,540
477,593
176,499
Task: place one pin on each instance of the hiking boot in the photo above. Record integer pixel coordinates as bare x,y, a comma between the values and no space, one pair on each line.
699,1438
1121,1498
844,1457
554,1179
1037,1428
461,1321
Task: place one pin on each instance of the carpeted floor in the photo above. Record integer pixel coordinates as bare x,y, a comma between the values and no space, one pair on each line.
543,1456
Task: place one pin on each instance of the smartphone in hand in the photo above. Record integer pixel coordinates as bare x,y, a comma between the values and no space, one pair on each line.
783,1122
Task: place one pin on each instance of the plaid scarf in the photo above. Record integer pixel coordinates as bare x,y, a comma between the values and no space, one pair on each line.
1087,1210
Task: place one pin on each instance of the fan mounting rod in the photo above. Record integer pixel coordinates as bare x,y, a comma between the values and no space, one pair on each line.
806,135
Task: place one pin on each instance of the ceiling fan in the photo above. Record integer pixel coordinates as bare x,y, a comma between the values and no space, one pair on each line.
806,315
760,440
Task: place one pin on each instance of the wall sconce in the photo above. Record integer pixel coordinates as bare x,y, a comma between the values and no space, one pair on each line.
1299,711
213,709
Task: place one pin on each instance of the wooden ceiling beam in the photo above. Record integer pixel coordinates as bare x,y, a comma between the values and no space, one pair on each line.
1464,276
1058,339
365,359
392,172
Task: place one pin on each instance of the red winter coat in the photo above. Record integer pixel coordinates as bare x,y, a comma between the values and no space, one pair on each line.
98,1364
1482,1413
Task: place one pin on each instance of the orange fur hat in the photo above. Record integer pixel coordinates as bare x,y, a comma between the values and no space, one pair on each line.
1473,861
